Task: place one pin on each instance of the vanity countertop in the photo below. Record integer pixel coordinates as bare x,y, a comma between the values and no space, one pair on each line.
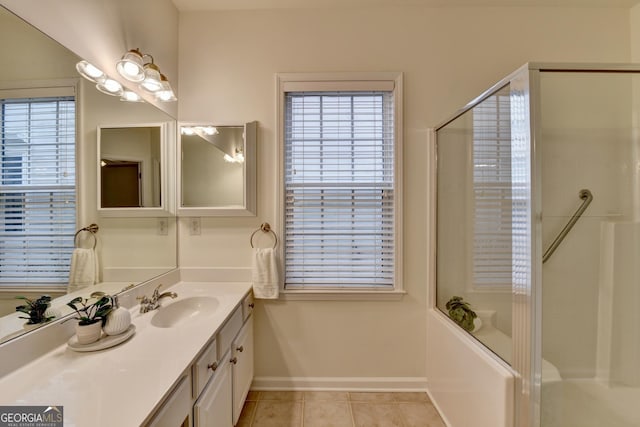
122,385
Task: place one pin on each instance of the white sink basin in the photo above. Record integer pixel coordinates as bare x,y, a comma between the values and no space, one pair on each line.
187,309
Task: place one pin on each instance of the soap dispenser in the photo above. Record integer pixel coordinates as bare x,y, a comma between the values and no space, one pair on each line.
118,320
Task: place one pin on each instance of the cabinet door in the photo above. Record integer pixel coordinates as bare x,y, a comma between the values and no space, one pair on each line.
242,359
213,407
176,408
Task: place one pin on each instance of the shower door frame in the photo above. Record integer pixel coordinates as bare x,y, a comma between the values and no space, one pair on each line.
526,338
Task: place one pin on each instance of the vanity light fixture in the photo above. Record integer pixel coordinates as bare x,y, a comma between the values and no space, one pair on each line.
165,93
131,66
152,81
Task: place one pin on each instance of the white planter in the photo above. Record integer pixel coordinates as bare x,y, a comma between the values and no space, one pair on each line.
89,333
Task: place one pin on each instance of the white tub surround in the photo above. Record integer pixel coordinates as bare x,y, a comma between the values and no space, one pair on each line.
125,384
468,384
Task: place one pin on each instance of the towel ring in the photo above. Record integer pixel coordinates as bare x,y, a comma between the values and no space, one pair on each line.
265,228
92,229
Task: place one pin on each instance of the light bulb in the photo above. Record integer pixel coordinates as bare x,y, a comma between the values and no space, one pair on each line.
152,81
130,96
166,95
130,66
110,87
89,71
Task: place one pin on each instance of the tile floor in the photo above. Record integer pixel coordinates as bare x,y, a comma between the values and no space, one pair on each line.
338,409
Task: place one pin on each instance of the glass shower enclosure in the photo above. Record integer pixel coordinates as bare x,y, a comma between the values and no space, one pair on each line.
538,238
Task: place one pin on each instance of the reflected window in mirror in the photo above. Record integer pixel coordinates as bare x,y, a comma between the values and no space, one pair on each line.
217,170
38,186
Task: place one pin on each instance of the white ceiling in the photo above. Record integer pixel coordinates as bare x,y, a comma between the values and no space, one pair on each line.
185,5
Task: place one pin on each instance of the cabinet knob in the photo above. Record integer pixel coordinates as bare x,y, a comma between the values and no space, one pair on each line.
251,305
234,360
213,366
240,349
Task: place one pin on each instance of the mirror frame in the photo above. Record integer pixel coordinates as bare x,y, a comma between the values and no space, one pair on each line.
249,177
167,207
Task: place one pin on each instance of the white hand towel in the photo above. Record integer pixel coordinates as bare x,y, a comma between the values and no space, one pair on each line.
265,276
84,269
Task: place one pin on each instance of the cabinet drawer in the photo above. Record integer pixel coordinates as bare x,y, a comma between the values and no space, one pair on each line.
247,306
204,367
229,331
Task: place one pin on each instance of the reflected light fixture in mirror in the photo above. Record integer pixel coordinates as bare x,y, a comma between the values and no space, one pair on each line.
104,83
90,71
130,96
237,157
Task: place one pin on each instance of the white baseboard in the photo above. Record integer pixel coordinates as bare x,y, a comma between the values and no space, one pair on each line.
380,384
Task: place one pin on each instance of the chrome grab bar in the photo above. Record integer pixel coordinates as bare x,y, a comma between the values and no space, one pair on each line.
587,197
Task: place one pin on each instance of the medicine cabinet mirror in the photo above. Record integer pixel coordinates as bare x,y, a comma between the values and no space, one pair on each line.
133,169
217,170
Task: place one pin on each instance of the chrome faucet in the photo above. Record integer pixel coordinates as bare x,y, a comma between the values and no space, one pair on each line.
153,303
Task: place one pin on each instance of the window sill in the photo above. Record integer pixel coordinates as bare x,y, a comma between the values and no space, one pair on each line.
341,295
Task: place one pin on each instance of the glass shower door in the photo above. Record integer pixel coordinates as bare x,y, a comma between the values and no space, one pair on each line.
588,140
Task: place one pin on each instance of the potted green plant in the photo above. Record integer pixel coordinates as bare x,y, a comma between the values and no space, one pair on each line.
35,309
91,316
461,313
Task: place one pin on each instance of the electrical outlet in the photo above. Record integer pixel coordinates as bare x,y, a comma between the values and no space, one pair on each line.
194,226
163,226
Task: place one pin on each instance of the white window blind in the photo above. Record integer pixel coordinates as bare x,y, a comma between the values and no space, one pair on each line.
37,189
339,189
492,181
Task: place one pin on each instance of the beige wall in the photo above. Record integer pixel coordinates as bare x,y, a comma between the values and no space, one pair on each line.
448,55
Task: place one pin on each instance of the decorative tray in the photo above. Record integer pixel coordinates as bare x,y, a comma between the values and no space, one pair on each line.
106,341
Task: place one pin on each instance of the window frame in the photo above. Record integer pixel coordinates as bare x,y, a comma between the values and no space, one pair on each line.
40,89
331,82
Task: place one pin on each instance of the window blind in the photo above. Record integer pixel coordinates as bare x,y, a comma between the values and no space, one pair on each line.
339,189
37,189
492,181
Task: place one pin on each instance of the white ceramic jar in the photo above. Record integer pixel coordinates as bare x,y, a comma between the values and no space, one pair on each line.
118,321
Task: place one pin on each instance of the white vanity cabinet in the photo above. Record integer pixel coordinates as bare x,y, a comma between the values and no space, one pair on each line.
242,367
214,405
176,409
221,385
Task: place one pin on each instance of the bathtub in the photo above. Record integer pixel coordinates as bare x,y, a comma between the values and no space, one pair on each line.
459,369
589,403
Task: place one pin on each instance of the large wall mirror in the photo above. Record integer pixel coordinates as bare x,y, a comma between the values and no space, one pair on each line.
38,84
217,170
